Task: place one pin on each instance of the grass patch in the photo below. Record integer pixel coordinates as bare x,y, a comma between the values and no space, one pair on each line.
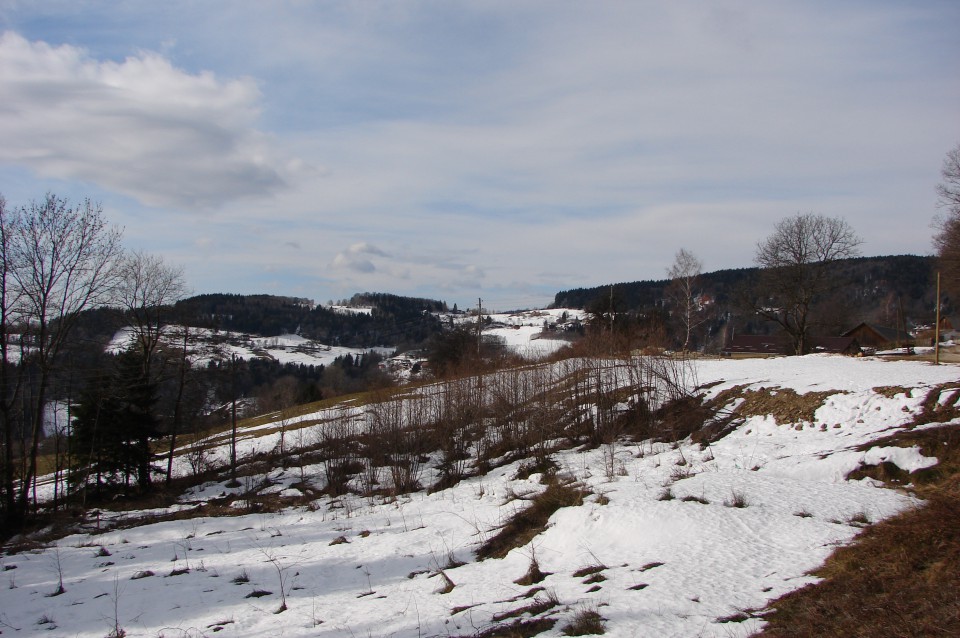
589,570
517,629
527,523
537,607
739,616
533,575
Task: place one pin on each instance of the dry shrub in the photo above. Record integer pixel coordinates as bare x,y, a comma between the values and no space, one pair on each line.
586,622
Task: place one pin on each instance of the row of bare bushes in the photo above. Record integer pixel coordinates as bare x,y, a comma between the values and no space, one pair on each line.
466,426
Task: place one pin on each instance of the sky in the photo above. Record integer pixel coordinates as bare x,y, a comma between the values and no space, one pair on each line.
461,150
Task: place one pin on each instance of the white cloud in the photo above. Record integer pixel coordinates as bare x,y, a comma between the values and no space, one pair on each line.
363,248
140,127
354,258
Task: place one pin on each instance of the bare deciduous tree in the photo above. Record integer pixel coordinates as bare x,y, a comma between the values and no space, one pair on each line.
64,260
147,289
794,260
947,241
683,292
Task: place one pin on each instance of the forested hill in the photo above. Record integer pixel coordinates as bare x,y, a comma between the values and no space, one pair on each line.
868,282
392,320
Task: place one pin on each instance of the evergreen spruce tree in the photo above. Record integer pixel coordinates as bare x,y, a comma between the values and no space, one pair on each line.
115,421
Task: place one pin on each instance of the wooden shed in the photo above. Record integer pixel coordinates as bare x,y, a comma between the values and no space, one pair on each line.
872,336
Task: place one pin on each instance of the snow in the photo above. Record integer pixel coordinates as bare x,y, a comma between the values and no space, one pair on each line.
527,341
673,567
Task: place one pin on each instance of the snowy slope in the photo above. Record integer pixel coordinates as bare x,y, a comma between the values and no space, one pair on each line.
523,332
683,566
205,345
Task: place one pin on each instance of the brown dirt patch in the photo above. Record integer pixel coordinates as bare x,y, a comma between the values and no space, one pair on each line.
785,405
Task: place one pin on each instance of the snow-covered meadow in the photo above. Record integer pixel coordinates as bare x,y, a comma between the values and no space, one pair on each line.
205,345
676,540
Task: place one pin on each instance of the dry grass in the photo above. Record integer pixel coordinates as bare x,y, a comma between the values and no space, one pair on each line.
783,404
534,575
531,521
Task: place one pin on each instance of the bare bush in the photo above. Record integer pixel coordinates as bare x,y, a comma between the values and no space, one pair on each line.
337,442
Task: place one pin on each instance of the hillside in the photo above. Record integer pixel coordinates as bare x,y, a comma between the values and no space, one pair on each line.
389,320
886,290
637,534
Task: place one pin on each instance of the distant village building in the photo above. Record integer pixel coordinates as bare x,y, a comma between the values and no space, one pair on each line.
406,364
749,346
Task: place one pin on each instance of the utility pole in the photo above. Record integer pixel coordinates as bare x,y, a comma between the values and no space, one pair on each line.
233,420
611,308
479,322
936,331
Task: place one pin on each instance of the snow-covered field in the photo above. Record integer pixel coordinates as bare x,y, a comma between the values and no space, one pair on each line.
523,331
205,345
683,566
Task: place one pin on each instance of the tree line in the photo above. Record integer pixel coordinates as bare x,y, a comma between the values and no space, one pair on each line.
699,310
392,321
